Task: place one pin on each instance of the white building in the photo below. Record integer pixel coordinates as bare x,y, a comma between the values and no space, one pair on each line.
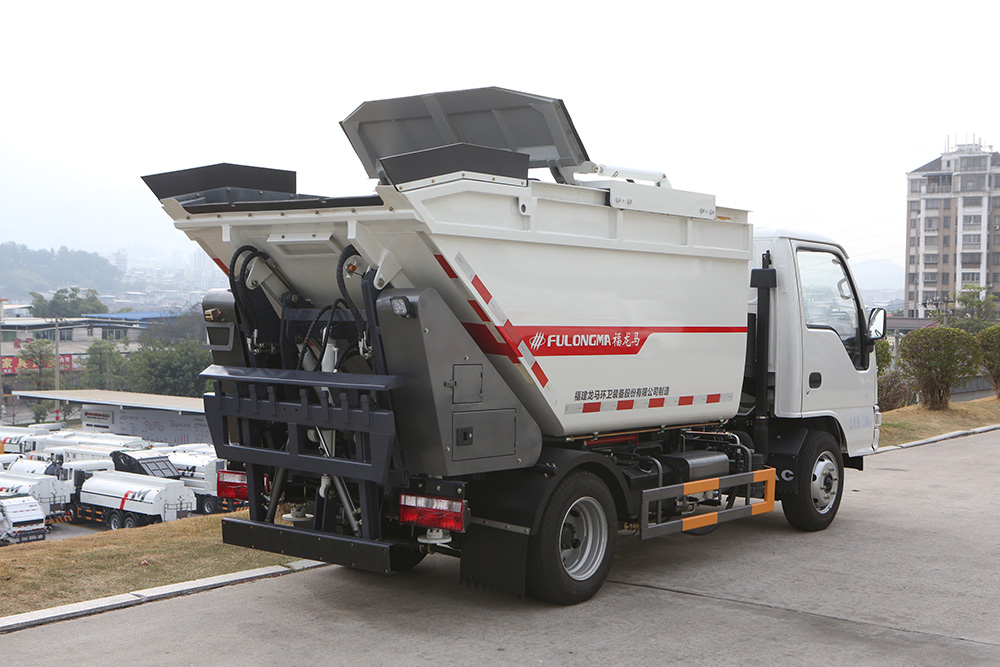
953,227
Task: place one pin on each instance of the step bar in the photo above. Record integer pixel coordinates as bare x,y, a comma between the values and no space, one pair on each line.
752,506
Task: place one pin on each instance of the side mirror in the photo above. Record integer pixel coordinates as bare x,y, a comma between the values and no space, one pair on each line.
876,324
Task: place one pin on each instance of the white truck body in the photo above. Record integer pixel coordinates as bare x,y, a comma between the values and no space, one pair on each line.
164,499
198,470
7,459
74,438
24,464
21,519
52,493
493,351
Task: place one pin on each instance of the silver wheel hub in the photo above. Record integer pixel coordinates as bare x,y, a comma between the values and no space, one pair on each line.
825,483
583,538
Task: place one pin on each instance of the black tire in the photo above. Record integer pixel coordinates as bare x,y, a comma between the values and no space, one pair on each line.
570,557
819,484
208,505
114,520
73,515
130,521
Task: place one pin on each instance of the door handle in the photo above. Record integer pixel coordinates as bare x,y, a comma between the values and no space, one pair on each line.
815,380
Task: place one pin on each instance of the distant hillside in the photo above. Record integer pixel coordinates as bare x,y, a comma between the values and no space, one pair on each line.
23,270
878,274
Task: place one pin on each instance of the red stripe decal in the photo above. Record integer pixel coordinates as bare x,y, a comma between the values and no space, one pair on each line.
574,341
685,400
509,335
542,378
657,402
446,266
626,405
714,398
221,265
481,288
124,498
591,407
483,337
479,310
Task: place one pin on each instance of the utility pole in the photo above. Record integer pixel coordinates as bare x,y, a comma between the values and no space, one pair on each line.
58,359
3,407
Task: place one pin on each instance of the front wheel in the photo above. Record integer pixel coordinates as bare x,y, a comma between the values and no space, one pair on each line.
819,484
569,558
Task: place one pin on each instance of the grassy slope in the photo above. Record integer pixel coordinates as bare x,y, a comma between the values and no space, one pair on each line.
39,575
915,423
46,574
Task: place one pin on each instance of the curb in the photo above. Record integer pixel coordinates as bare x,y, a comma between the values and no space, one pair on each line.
937,438
77,609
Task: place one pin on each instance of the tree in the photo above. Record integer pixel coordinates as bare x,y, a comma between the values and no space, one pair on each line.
40,410
974,311
67,303
40,356
156,368
936,359
989,343
883,356
105,367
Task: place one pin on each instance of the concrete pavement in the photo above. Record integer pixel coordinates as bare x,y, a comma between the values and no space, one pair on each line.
907,574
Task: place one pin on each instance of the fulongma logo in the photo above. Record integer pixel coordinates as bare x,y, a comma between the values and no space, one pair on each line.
537,341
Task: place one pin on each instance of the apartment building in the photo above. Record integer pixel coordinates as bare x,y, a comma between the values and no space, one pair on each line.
953,227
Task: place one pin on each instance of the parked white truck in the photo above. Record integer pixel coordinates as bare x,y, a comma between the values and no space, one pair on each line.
21,519
197,469
52,493
479,363
127,500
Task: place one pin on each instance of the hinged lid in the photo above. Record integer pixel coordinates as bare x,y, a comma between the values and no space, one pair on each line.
538,126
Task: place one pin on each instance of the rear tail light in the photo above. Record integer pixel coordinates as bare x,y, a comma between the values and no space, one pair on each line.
430,512
232,484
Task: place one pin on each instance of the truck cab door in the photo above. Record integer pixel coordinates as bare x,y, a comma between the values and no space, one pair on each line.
838,365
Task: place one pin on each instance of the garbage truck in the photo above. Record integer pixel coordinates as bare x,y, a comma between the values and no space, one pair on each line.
21,519
514,355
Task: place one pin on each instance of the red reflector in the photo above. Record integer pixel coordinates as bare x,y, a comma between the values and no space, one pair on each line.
232,484
443,513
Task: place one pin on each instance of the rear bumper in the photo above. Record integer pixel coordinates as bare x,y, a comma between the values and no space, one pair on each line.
354,552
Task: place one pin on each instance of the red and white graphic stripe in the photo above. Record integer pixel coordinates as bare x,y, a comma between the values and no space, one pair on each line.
501,321
614,405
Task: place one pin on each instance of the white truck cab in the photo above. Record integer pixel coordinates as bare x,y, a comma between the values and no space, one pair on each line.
821,355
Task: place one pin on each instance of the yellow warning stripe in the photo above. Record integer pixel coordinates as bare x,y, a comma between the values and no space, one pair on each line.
702,485
700,521
767,476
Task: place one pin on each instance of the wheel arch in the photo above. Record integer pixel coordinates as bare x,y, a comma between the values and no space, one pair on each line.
786,441
519,496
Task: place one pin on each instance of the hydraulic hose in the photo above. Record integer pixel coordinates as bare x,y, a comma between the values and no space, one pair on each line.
348,252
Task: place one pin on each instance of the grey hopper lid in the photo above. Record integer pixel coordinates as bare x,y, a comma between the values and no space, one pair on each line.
495,117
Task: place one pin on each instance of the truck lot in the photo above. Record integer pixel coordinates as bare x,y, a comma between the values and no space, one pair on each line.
907,575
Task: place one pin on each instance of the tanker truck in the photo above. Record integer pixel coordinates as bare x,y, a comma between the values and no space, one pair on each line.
513,355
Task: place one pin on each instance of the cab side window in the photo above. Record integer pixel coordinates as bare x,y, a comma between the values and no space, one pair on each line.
829,302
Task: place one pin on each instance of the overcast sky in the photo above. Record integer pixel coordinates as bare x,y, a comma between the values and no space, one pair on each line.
807,114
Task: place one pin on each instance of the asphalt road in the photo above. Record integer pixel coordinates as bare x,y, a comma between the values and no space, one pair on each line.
909,574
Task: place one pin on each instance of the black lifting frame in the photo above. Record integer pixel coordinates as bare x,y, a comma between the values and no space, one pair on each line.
250,398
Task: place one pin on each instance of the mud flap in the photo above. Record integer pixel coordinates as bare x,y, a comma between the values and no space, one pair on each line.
495,559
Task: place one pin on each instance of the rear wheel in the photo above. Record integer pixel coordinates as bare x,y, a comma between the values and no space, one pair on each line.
208,505
819,484
130,521
115,520
569,558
